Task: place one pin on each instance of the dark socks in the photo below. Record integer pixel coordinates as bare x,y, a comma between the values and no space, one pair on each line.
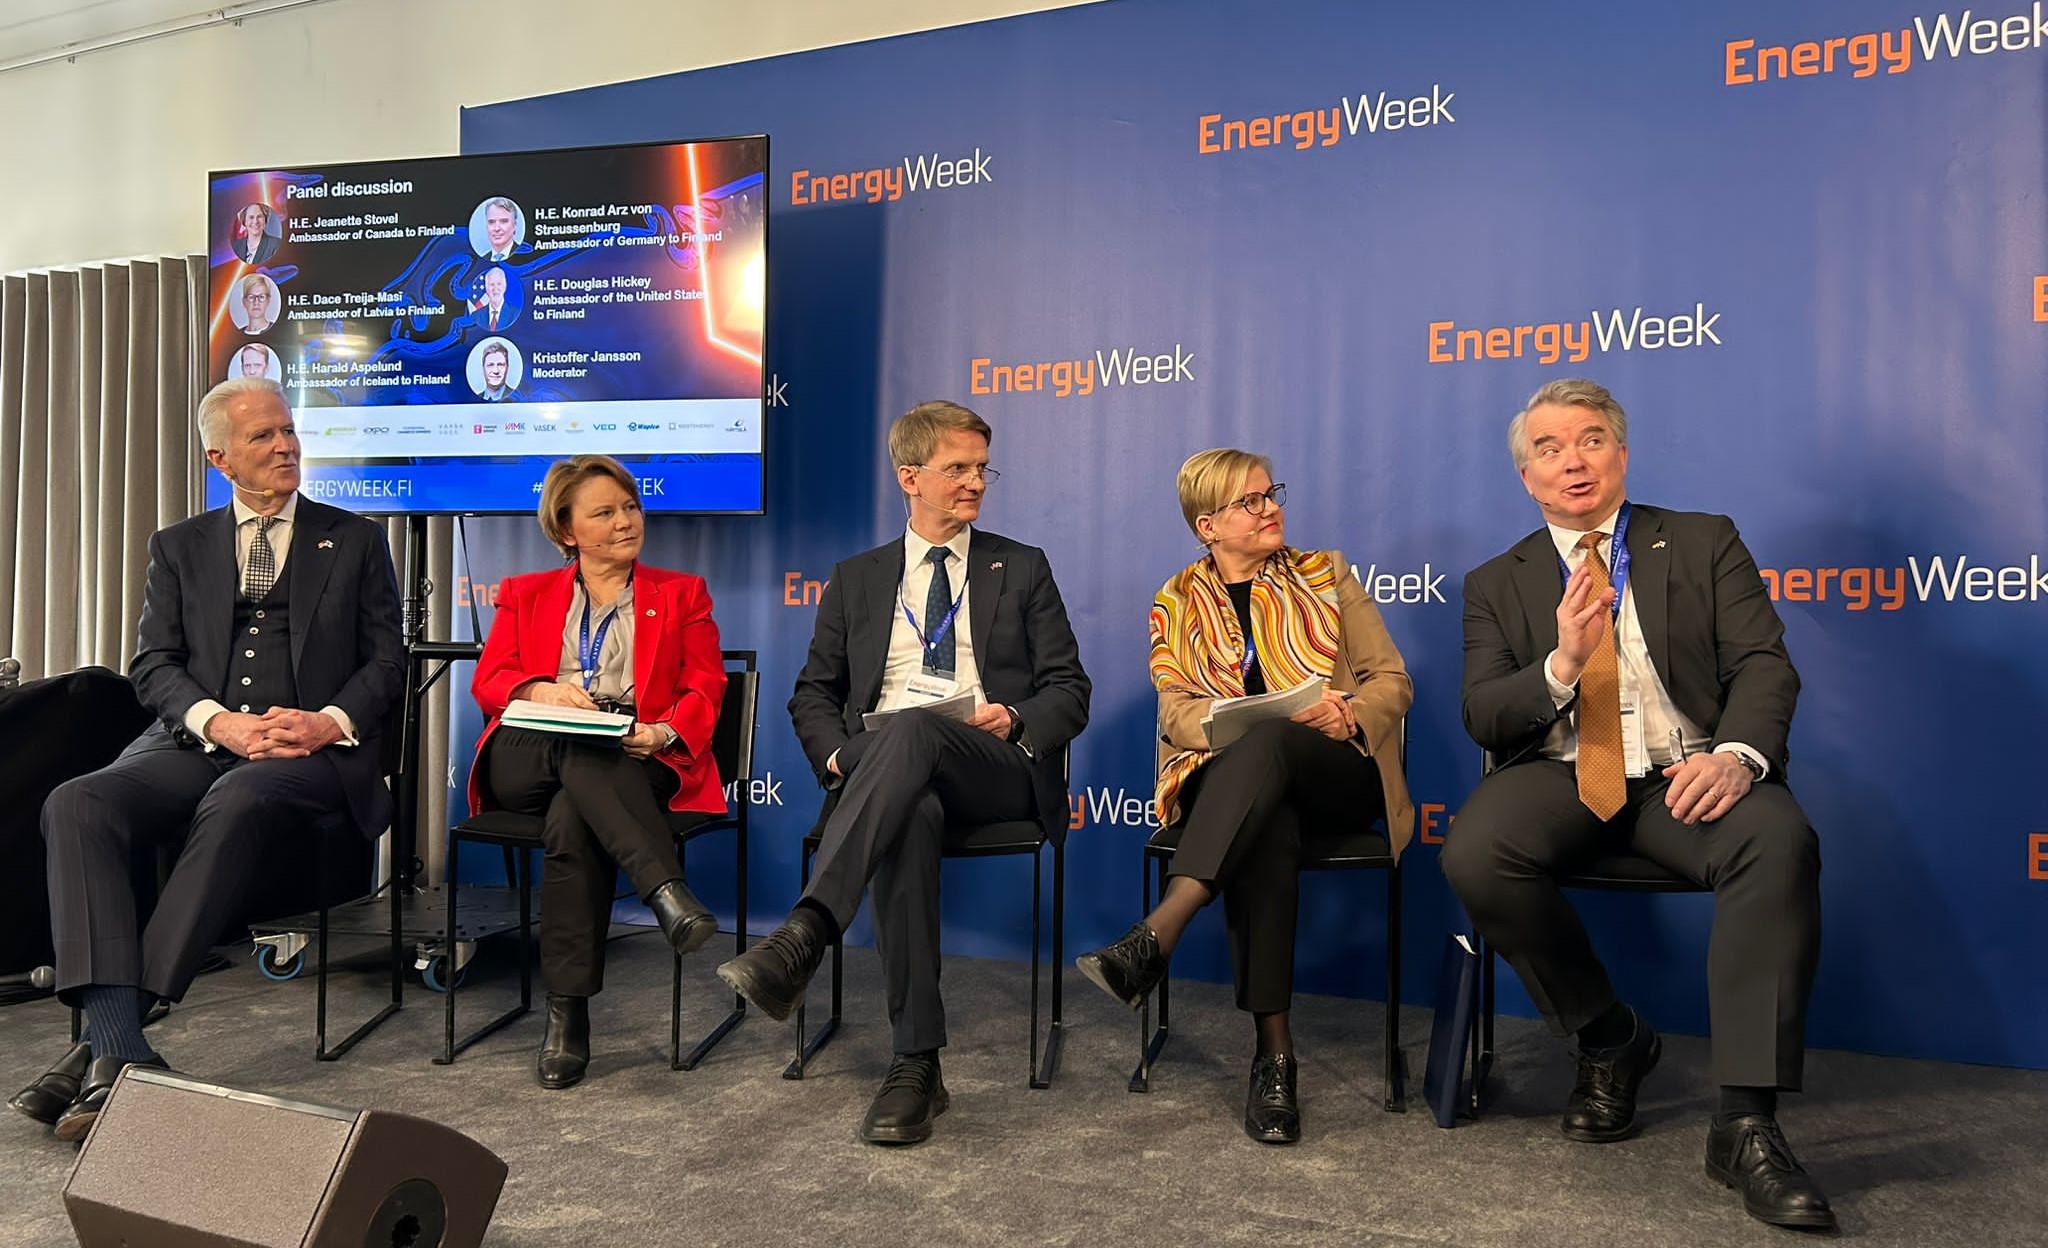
1615,1027
823,917
113,1015
1738,1101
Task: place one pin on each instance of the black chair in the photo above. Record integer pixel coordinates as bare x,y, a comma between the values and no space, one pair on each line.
989,840
732,747
1359,849
1612,873
327,831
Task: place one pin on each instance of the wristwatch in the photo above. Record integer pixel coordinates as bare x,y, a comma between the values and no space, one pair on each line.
1756,769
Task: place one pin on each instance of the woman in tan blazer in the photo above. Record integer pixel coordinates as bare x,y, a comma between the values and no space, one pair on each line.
1254,615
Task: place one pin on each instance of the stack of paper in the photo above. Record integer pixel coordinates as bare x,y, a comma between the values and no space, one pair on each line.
960,706
568,721
1231,718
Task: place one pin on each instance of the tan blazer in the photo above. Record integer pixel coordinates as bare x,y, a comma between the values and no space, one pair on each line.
1372,670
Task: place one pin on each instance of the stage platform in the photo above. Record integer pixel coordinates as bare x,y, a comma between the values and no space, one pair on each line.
1915,1154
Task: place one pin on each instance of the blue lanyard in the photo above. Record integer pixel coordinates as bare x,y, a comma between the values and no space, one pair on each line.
588,648
1251,657
1617,571
931,643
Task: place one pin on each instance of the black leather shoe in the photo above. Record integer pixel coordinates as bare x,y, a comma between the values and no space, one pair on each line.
1603,1105
1271,1114
912,1095
687,922
1126,968
1751,1154
51,1094
72,1125
565,1049
772,974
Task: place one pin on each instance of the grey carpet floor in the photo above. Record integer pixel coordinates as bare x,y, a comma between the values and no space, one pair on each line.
1912,1153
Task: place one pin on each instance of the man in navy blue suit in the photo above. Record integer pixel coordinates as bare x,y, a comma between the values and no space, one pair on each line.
269,650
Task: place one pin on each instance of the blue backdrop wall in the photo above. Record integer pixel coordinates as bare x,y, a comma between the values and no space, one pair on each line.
1802,243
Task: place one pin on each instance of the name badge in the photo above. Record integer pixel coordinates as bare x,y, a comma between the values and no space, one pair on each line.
1635,754
931,688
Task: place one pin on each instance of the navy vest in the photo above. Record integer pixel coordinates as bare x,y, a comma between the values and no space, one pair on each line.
260,657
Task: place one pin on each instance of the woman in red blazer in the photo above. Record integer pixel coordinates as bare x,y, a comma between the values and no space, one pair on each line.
608,633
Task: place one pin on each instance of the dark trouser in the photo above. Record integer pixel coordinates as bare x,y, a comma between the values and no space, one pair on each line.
224,807
1525,824
601,813
1244,818
921,773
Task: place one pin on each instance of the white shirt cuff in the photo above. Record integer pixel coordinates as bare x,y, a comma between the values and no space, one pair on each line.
195,720
1737,747
1560,693
342,721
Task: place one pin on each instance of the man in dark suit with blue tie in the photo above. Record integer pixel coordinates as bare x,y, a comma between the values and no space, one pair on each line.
250,613
943,610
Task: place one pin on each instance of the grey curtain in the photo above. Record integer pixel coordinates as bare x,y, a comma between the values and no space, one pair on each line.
101,371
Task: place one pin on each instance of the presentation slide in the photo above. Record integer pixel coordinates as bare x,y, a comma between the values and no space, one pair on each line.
447,328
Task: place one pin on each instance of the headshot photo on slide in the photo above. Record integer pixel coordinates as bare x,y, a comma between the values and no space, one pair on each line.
254,233
495,299
496,228
254,303
495,370
255,360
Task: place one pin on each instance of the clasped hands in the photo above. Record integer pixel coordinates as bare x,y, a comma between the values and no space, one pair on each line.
280,732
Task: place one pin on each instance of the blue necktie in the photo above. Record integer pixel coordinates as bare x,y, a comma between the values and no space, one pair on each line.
938,600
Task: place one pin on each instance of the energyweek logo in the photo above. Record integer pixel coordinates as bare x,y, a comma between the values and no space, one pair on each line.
1378,113
1548,342
888,183
1081,376
1869,53
1952,579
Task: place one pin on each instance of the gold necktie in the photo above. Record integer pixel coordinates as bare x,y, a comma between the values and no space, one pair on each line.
1603,777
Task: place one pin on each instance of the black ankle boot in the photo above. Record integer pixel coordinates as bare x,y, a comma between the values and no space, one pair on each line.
687,922
565,1050
1272,1115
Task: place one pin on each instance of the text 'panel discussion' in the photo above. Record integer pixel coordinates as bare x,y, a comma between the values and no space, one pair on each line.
813,623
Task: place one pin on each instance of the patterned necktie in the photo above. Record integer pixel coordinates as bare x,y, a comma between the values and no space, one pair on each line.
262,572
1603,777
938,600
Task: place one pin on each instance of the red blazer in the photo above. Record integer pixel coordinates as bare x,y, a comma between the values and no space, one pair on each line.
678,677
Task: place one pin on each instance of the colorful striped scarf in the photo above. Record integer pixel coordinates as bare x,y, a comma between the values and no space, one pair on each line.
1198,646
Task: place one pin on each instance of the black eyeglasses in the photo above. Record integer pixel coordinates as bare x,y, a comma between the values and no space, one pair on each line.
986,474
1256,502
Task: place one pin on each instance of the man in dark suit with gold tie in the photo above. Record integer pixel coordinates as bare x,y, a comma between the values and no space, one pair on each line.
940,611
251,614
1627,671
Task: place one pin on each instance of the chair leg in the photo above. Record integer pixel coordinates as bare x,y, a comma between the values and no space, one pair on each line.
1056,1033
447,1057
1150,1043
320,956
1397,1061
806,1049
678,1060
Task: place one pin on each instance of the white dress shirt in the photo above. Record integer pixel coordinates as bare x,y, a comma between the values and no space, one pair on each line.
1640,686
906,652
280,545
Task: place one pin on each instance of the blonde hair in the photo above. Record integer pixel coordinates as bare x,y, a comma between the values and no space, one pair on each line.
915,434
565,477
1211,480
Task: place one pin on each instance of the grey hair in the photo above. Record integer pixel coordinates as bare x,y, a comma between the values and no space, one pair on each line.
213,409
1566,392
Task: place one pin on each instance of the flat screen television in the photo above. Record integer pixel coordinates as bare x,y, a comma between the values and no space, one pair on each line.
446,328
